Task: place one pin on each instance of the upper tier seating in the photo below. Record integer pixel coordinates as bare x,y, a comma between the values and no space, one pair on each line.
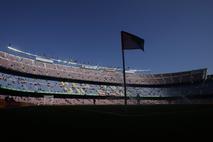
35,67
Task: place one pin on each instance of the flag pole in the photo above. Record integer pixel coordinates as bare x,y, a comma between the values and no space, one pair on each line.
129,41
124,72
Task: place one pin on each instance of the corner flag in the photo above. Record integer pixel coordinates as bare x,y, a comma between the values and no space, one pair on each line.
130,41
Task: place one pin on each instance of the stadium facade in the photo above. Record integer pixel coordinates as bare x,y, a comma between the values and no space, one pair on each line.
31,79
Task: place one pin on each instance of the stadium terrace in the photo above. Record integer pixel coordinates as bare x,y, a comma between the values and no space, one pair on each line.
35,80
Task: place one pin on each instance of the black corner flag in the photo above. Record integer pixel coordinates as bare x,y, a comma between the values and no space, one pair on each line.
129,41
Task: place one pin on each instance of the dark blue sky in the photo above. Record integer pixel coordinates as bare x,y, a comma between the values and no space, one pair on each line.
178,33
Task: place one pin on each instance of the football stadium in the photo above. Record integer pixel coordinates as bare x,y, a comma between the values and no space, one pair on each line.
67,68
28,79
36,90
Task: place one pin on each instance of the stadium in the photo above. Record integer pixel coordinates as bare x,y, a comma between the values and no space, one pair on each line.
43,92
81,83
28,79
39,92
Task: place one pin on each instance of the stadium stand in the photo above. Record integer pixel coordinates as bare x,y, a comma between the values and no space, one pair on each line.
30,66
80,85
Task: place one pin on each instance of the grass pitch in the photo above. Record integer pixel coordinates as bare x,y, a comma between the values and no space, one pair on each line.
144,117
